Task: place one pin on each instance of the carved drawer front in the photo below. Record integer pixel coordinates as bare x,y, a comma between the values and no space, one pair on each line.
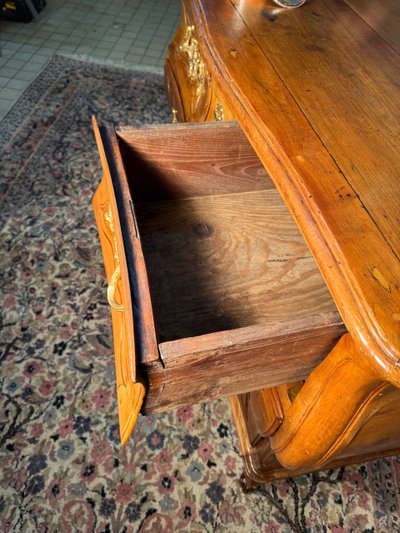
218,294
130,392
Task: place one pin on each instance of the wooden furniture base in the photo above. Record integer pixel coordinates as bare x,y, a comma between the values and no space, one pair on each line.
307,426
261,465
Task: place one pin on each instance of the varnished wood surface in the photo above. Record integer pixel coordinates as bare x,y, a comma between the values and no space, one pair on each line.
383,16
314,429
264,410
345,80
316,91
192,97
263,413
380,431
343,198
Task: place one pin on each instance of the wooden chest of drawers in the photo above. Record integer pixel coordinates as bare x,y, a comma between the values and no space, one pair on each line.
213,289
314,89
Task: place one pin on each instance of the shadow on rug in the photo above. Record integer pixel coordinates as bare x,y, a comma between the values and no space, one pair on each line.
62,466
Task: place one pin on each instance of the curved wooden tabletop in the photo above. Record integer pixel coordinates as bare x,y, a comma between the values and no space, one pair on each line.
316,90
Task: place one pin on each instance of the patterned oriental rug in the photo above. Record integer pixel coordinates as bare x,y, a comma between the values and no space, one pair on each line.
62,467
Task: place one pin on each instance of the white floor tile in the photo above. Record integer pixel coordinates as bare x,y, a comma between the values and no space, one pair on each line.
133,31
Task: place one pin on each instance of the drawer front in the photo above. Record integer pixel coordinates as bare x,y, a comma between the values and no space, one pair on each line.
130,392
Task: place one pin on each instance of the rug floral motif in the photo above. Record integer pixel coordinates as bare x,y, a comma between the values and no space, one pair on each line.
62,467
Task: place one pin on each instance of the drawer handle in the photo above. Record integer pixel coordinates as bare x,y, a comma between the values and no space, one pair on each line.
117,272
111,290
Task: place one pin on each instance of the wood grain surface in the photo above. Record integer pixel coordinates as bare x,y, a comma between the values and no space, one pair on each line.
262,412
226,262
261,465
348,221
343,56
185,160
383,16
237,361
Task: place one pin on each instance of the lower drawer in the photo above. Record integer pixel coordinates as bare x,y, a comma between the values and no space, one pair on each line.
225,295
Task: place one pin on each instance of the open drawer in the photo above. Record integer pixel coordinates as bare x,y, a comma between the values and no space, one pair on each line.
216,290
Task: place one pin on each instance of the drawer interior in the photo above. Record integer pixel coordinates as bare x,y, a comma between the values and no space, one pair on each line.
221,249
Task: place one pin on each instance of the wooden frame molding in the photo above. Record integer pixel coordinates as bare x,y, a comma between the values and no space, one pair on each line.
335,401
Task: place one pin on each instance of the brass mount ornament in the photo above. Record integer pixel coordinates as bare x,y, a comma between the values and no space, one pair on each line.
197,74
112,286
219,112
196,67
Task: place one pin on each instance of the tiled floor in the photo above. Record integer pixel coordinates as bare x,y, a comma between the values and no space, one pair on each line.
124,32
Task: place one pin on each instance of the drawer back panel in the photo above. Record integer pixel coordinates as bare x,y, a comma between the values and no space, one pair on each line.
185,160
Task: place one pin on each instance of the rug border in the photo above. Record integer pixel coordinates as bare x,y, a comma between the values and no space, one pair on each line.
113,63
20,110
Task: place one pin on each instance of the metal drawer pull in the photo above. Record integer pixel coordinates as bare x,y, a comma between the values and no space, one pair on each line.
117,272
111,290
